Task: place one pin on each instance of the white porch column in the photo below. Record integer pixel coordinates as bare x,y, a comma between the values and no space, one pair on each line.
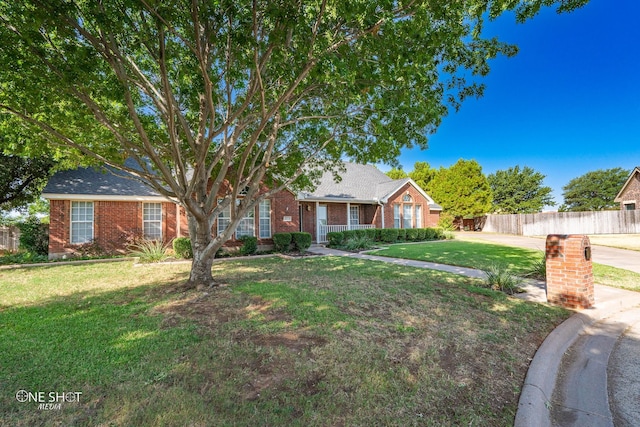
382,213
348,216
317,223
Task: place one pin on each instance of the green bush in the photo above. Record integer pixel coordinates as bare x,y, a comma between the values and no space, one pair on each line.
378,234
402,234
358,244
389,235
335,238
34,236
412,234
370,234
349,234
301,241
422,232
441,234
182,247
360,233
150,251
281,242
431,234
446,221
249,245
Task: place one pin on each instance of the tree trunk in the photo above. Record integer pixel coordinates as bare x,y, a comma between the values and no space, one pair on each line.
204,250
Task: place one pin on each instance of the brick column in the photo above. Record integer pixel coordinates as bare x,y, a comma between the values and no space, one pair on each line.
569,271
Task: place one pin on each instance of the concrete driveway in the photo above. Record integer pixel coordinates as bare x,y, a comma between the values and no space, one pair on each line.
620,258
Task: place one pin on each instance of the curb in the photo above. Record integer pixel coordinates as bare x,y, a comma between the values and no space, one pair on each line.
534,406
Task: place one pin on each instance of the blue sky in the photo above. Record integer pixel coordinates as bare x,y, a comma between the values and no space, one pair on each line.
567,104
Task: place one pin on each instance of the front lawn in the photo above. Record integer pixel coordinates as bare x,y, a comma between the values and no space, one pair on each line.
482,255
315,341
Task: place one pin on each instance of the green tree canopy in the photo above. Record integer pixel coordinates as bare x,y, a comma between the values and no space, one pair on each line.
422,174
22,179
594,191
395,173
462,190
518,190
219,97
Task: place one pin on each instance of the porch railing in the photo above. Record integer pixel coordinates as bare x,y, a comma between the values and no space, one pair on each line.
324,229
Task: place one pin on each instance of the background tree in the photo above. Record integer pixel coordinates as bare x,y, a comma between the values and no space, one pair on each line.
518,191
422,174
594,191
216,98
22,179
395,173
462,190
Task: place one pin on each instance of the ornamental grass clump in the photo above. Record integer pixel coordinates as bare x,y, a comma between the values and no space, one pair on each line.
149,251
499,279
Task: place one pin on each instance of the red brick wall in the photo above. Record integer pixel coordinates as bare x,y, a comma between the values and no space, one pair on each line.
284,204
309,219
632,192
429,218
569,272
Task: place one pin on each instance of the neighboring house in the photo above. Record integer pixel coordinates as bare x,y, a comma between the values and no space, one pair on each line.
105,207
629,195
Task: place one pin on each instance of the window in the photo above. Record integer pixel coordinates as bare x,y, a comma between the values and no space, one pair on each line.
418,209
81,222
396,216
407,216
354,215
246,225
224,218
629,206
152,221
407,198
264,218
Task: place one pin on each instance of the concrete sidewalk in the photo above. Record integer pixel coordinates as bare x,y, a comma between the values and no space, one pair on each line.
586,372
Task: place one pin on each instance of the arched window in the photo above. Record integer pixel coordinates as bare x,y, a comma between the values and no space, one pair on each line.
407,198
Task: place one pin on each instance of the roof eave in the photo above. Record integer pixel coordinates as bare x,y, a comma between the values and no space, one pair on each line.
618,198
105,197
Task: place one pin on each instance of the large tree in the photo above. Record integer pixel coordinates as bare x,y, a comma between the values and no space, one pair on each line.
462,189
518,191
22,179
594,191
214,98
422,174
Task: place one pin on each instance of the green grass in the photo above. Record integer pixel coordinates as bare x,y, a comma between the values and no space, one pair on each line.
484,256
315,341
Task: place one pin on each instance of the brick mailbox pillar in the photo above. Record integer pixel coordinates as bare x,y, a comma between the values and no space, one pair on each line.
569,271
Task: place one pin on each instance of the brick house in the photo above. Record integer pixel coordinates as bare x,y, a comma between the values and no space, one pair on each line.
629,195
109,209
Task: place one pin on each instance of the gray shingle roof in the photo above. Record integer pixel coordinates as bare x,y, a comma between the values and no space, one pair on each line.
97,181
359,183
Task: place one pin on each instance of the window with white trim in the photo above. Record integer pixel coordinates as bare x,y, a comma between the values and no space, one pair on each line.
81,222
396,215
264,218
629,206
246,226
152,221
418,209
354,215
407,216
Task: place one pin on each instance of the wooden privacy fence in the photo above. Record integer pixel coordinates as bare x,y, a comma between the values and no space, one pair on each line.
542,224
9,238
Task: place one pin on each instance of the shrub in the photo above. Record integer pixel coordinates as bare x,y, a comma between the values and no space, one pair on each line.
412,234
150,251
249,245
402,234
358,244
538,270
349,234
421,234
182,247
446,221
335,238
499,279
430,234
34,236
360,233
370,234
389,235
281,242
301,241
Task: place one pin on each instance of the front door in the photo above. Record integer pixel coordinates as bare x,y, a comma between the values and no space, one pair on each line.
322,223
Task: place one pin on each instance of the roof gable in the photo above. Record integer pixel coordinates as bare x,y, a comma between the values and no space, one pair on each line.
635,171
